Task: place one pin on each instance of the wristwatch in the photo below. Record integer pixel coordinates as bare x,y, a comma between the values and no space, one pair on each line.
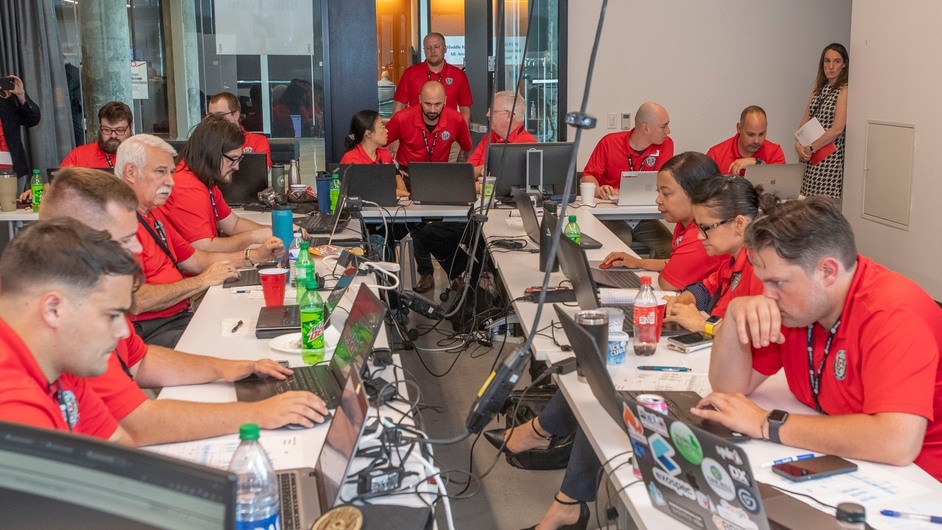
759,161
710,326
776,420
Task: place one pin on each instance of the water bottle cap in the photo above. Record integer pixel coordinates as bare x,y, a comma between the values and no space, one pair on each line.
572,218
645,280
248,432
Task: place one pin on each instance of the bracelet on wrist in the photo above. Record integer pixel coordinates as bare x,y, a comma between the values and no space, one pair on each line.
763,427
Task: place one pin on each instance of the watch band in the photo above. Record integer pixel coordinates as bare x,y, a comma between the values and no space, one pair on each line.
777,418
709,328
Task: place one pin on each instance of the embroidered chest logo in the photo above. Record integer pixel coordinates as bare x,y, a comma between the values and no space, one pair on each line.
734,281
840,365
446,135
69,407
449,81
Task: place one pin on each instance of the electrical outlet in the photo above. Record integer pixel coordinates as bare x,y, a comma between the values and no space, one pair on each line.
626,121
611,121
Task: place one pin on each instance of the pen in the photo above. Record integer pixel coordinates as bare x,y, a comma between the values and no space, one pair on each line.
237,326
652,368
788,459
914,516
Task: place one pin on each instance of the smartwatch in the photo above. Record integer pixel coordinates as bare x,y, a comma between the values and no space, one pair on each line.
710,325
759,161
776,420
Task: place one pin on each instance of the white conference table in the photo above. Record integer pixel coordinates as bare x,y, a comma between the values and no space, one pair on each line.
520,269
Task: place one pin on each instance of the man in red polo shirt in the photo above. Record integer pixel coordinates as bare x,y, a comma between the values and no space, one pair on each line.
426,131
749,146
66,288
175,270
115,125
507,118
103,202
227,105
858,343
434,68
645,148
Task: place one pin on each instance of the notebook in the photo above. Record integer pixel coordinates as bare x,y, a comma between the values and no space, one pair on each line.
306,493
637,188
591,363
281,320
248,180
532,226
370,182
783,180
327,380
442,183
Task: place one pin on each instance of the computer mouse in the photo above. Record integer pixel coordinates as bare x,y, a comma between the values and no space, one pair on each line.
608,265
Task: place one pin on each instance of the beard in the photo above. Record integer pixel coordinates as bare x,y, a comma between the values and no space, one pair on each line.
110,145
431,117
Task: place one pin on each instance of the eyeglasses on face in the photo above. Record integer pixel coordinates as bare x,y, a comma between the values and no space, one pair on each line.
223,114
705,229
108,131
234,159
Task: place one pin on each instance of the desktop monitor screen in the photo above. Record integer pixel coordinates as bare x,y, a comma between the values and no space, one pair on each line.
51,479
510,163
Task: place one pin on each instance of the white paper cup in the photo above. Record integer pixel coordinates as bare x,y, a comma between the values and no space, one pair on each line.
587,190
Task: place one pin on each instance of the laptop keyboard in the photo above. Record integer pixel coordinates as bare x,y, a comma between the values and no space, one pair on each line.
246,277
617,279
322,223
288,493
307,380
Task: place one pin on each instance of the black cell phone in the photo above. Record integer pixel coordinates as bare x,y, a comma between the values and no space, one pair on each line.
256,377
812,468
689,342
7,83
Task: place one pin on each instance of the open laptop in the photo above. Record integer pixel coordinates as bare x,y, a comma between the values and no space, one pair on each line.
532,226
319,222
442,183
590,360
307,493
248,180
783,180
281,320
370,182
637,188
576,267
327,380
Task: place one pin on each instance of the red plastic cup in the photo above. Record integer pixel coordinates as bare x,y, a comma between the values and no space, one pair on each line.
273,286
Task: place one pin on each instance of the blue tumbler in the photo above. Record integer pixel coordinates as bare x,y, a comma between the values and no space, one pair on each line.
282,224
323,193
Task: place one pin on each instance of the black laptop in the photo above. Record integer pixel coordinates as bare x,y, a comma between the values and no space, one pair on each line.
589,357
442,183
532,226
318,222
280,320
327,380
248,180
370,182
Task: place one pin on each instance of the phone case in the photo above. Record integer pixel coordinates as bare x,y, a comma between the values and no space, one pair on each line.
814,468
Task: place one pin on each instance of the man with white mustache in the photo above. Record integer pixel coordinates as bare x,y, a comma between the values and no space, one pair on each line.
175,271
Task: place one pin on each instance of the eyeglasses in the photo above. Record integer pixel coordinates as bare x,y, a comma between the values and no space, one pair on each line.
108,131
223,114
234,159
705,229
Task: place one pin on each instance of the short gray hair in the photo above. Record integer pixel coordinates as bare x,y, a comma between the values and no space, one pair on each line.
508,96
134,151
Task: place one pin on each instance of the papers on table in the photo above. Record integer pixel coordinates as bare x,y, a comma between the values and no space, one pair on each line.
661,381
5,158
285,451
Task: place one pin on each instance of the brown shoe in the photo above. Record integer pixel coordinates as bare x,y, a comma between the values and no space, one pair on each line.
426,283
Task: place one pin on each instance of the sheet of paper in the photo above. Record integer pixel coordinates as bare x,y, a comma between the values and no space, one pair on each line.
809,132
610,296
514,221
5,158
662,381
285,452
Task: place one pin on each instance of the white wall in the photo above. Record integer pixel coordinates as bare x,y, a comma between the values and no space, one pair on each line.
704,60
895,76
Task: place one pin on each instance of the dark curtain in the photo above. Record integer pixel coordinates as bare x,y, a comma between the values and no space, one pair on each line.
29,48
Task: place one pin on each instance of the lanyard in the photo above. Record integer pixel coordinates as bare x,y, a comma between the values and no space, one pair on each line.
814,376
428,74
631,163
212,201
733,280
108,159
63,406
159,237
429,149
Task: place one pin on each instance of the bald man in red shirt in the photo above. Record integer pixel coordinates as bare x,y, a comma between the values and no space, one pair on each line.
749,146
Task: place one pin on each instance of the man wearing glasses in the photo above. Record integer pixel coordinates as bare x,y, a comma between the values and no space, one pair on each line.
226,105
434,68
196,208
115,126
506,117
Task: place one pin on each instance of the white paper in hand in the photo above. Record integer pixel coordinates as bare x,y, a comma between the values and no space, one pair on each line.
809,132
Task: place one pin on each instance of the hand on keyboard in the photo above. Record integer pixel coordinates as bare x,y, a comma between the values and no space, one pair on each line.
299,408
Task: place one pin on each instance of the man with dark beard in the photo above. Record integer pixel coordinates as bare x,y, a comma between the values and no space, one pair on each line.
427,130
115,126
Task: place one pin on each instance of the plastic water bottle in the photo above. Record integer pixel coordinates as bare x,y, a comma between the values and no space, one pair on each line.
257,504
36,185
304,270
294,249
334,192
645,320
572,230
312,324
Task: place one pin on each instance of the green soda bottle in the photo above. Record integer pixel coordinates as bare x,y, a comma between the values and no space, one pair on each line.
312,324
334,192
304,269
572,230
36,185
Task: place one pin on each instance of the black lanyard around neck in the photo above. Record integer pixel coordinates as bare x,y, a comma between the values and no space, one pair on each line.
814,376
159,237
212,201
63,406
429,149
428,74
108,159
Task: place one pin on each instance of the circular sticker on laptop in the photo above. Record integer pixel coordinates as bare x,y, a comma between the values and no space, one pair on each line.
686,443
718,479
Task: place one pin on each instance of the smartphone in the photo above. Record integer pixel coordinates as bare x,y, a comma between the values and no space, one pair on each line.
812,468
689,342
7,83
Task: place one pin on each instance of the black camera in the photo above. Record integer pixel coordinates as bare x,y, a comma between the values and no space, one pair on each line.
7,83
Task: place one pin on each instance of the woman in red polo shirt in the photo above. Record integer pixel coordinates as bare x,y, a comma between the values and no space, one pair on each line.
365,143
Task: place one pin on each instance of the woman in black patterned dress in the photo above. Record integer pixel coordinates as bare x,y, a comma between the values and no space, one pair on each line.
828,103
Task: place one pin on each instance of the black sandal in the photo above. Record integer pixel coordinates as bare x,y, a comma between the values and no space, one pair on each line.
580,524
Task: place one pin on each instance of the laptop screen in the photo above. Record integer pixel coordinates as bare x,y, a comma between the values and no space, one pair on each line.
340,445
528,215
359,331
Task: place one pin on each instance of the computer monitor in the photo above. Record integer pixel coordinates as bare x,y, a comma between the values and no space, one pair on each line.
51,479
513,163
283,150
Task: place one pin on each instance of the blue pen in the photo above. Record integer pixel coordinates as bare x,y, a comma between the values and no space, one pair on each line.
914,516
652,368
789,459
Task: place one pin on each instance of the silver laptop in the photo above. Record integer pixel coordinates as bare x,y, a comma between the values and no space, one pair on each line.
306,493
638,188
783,180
